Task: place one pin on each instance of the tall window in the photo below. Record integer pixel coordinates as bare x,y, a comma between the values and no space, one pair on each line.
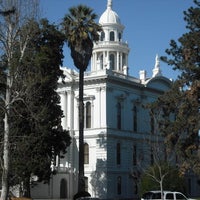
112,36
86,153
119,110
123,59
152,124
101,61
119,185
102,36
86,183
118,151
88,115
120,36
134,155
112,61
135,118
63,189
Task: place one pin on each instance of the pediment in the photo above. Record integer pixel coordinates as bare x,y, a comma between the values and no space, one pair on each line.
159,82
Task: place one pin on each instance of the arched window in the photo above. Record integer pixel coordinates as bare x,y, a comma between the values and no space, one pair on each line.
135,118
112,36
63,189
86,153
119,110
102,36
86,183
134,155
118,151
152,123
112,61
88,115
101,61
123,59
120,36
119,185
120,64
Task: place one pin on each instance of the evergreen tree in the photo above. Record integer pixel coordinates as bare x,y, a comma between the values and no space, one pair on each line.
180,122
36,135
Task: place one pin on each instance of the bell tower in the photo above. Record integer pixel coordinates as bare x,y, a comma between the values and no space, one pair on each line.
110,52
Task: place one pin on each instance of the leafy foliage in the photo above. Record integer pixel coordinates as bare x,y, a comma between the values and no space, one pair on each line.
172,181
180,106
36,135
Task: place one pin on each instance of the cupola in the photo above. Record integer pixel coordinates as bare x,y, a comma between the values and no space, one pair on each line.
110,52
109,16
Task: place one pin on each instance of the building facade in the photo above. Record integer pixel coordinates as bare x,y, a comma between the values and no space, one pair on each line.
116,122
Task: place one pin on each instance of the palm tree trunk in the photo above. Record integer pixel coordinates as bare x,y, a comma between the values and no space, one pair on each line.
81,182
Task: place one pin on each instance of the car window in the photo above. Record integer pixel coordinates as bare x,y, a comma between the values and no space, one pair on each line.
152,195
169,196
156,195
180,196
147,195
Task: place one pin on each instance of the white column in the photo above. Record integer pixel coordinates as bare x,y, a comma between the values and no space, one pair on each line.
92,114
70,109
103,107
104,59
92,62
121,67
95,62
107,34
97,122
126,57
63,103
108,60
117,64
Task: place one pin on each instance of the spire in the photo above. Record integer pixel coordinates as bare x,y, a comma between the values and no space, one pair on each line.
157,62
156,70
109,4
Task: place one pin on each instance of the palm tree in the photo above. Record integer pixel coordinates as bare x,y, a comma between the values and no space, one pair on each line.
81,31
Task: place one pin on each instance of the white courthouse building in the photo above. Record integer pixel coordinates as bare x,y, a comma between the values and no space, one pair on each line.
116,122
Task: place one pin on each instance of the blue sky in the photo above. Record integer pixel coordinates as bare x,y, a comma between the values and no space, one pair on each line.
149,27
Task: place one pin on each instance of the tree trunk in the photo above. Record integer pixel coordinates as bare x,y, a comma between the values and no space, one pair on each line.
27,189
5,174
161,189
81,182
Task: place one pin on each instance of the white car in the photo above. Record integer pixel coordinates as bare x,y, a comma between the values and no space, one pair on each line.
167,195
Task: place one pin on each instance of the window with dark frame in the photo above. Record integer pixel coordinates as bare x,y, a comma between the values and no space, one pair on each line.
86,183
112,36
88,115
135,118
102,38
112,61
86,153
119,185
134,155
118,153
119,110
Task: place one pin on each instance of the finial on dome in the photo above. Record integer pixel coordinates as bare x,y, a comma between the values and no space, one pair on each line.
156,70
157,61
109,4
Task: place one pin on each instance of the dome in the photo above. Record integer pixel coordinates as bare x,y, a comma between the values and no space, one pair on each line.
109,16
